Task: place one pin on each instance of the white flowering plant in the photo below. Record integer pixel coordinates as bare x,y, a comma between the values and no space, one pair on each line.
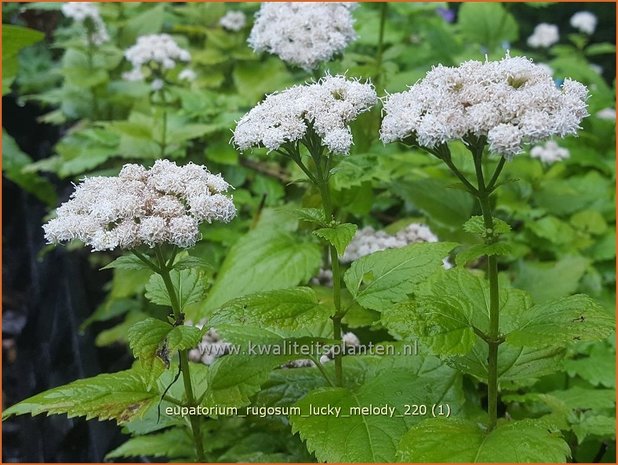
309,232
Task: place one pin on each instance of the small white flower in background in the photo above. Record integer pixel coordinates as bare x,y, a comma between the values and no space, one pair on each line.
187,74
133,75
233,21
512,102
596,68
328,105
350,342
154,49
584,21
303,34
81,12
544,35
210,348
164,204
367,240
157,84
607,114
549,153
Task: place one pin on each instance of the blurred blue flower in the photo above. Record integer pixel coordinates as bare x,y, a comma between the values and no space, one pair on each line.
447,15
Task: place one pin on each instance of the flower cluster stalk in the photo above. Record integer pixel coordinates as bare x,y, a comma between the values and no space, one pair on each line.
162,267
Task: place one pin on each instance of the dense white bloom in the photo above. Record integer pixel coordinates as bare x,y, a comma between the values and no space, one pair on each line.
584,21
367,240
607,114
187,74
328,106
303,34
544,35
550,152
165,204
158,50
87,13
511,102
233,21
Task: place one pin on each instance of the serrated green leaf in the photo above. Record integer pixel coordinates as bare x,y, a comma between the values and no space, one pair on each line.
127,262
595,425
561,322
357,437
599,368
233,379
173,443
479,250
263,260
188,262
311,215
338,236
286,311
119,396
515,364
453,440
446,310
188,284
152,341
476,225
378,280
14,39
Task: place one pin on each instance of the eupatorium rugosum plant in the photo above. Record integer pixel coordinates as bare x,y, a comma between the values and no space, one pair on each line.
313,120
495,108
153,213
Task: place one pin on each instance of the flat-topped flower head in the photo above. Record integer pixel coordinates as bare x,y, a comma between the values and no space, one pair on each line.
328,105
544,35
233,21
155,50
584,21
163,204
87,14
303,34
511,102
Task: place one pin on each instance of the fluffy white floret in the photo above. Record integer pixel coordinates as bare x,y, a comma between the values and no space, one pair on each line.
303,34
233,21
584,21
511,102
328,105
164,204
544,35
160,50
87,13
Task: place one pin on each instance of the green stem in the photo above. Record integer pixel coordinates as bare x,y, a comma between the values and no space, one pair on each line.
493,340
184,361
380,52
163,143
322,178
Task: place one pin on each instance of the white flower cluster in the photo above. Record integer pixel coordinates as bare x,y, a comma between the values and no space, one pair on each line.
84,12
158,49
327,105
233,21
584,21
165,204
367,240
511,102
210,348
544,35
550,152
187,74
303,34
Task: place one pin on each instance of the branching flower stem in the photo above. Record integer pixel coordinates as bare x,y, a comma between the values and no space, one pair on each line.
162,267
483,192
320,177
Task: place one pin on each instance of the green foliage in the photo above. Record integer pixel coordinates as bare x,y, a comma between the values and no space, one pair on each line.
453,440
380,279
173,444
188,285
338,236
118,396
487,24
14,38
285,311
